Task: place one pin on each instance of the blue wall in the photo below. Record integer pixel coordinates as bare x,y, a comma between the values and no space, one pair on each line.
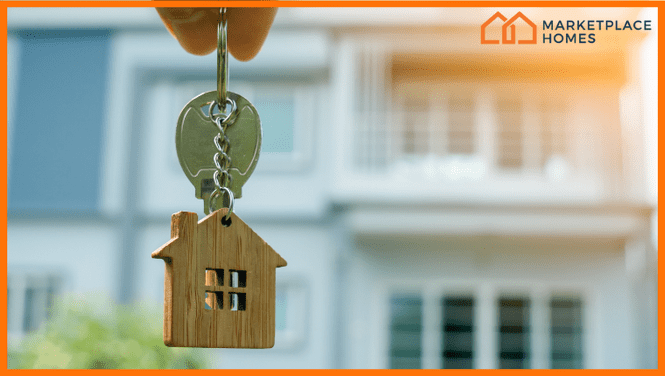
60,111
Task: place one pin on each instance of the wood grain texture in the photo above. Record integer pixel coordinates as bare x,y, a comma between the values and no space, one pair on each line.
198,257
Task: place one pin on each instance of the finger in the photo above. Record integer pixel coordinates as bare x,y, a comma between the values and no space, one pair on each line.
248,29
196,29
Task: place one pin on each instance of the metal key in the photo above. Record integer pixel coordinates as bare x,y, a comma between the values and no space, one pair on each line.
195,147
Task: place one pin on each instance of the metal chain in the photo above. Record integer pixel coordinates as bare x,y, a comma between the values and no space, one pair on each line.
222,177
222,160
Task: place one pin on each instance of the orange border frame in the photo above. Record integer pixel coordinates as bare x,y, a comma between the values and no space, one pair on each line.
331,3
305,3
3,168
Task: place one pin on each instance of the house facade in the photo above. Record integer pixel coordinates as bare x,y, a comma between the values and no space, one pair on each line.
441,203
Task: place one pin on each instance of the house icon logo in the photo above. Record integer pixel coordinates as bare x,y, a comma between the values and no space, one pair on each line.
507,36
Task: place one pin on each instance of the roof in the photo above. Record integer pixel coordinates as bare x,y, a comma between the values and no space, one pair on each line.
180,220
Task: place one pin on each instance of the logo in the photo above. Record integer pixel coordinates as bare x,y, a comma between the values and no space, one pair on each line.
508,37
578,31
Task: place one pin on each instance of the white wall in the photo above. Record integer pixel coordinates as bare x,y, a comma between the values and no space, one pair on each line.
85,254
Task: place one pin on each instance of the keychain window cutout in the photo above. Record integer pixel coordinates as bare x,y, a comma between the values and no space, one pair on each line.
214,277
238,278
214,300
237,301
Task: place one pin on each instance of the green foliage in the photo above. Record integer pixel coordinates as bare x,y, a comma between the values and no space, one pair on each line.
88,335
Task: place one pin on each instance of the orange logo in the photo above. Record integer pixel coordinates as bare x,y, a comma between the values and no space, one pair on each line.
505,38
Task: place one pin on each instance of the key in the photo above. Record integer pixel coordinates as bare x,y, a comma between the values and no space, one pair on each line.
195,133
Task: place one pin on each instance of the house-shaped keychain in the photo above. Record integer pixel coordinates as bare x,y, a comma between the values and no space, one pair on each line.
219,286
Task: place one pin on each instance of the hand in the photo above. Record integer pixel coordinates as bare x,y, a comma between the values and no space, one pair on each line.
196,29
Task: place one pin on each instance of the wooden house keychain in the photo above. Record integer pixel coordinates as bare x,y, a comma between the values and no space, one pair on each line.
219,284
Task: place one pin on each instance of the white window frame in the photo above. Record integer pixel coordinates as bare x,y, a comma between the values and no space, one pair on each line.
307,99
159,51
485,323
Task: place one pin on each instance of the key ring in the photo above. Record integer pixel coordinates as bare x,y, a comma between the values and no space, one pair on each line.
216,194
217,117
222,60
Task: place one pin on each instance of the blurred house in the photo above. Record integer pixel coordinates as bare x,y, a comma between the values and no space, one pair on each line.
442,203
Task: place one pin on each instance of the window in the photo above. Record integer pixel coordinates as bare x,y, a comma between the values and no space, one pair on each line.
509,135
237,301
214,300
566,328
416,128
238,278
30,299
458,332
539,147
287,109
554,160
427,131
553,138
461,138
449,125
214,295
214,277
514,333
411,347
277,111
274,102
406,331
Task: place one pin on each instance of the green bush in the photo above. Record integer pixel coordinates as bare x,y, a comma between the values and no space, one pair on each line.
95,333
